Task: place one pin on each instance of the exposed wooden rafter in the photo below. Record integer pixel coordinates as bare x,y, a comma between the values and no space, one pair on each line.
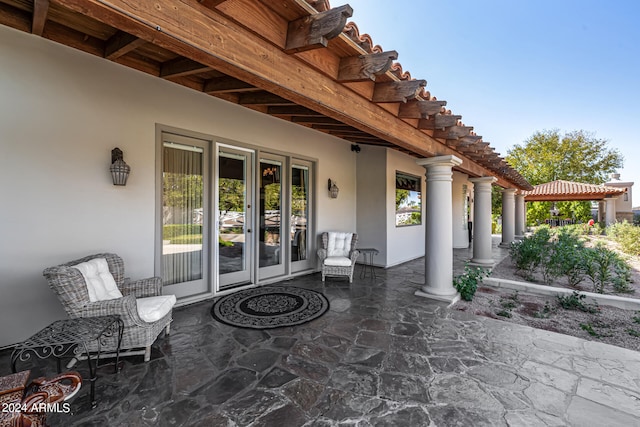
227,84
365,67
419,109
315,31
292,111
211,3
40,12
120,44
180,67
262,98
401,91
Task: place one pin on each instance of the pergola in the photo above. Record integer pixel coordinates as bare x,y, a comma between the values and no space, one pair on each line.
563,191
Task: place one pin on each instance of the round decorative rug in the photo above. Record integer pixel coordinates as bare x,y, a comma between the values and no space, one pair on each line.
268,307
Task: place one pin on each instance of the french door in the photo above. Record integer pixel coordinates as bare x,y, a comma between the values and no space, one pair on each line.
234,217
230,216
185,214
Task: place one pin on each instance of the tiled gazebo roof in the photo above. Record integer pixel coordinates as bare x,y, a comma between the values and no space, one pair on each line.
558,191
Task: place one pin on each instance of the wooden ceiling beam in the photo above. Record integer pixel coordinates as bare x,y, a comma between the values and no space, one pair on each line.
263,98
211,4
365,67
317,120
342,128
297,111
120,44
401,91
181,67
439,121
419,109
315,31
40,12
227,84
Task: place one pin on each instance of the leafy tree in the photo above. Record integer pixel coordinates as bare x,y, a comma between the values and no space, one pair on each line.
575,156
401,197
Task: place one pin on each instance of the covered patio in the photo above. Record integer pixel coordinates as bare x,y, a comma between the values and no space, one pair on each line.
380,356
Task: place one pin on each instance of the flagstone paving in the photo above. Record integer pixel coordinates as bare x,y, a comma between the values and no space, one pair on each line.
380,357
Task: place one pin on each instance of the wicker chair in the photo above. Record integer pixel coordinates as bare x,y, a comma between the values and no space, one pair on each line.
69,285
338,254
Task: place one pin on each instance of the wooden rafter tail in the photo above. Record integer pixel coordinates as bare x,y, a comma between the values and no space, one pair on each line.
401,91
453,132
439,121
40,12
365,67
315,31
419,109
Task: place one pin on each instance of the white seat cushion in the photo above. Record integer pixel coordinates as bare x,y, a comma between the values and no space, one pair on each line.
151,309
337,261
339,244
100,283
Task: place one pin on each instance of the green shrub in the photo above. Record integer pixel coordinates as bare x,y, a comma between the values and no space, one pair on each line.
187,239
174,230
575,301
604,267
529,253
627,236
467,283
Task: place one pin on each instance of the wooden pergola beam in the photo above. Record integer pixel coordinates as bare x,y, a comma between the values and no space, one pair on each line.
120,44
211,4
317,120
40,12
262,98
401,91
297,110
453,132
365,67
315,31
192,30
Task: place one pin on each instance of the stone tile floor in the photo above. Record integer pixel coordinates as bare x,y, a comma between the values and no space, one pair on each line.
380,357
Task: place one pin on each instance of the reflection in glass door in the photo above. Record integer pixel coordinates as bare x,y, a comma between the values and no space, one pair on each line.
270,249
184,216
234,217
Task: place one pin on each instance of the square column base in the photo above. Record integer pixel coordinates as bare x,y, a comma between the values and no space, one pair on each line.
451,299
487,265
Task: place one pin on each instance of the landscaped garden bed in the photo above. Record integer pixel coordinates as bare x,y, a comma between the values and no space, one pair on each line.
573,258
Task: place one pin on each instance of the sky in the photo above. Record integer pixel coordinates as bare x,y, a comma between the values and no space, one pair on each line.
514,67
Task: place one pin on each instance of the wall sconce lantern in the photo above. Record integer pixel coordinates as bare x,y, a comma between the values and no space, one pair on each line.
333,189
119,169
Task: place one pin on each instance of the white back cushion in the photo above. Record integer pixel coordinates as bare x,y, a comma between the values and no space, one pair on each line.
99,281
339,244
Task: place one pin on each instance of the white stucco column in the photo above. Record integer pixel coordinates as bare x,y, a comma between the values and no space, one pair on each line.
438,260
601,211
520,216
508,216
460,224
482,256
610,210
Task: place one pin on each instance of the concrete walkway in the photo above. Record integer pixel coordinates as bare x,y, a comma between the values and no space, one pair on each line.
380,357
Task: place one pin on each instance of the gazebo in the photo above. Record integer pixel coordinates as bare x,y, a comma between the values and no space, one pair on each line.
563,191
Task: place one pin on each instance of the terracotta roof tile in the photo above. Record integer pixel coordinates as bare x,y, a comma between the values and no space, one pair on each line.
566,190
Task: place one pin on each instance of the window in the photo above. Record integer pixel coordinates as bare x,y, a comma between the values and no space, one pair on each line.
408,200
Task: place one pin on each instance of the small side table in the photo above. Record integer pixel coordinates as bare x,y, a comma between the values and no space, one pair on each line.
72,336
368,254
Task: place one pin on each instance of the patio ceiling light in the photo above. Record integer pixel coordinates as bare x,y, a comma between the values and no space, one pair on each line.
119,169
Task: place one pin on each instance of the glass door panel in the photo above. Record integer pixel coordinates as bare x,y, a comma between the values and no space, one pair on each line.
300,216
270,249
184,216
234,217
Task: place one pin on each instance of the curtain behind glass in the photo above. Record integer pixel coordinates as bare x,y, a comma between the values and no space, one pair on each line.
182,213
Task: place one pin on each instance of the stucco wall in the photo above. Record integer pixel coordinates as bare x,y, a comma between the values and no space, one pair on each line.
61,113
372,201
403,243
